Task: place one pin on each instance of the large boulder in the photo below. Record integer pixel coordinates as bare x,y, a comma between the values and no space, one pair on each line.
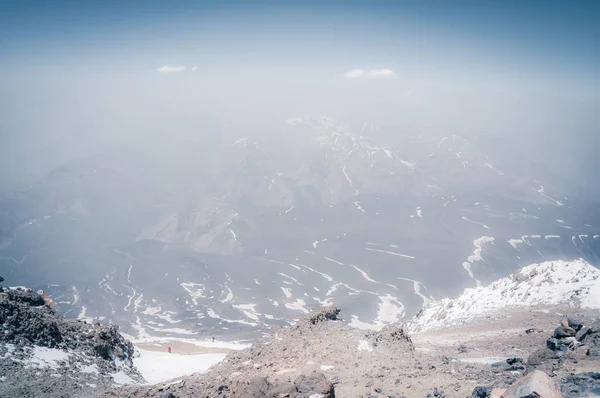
535,384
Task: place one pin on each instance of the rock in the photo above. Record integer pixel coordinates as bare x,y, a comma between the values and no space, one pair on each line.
570,342
481,392
594,353
595,327
436,392
582,332
575,323
497,392
314,383
393,336
580,385
552,344
535,384
563,331
378,390
323,315
533,330
463,349
168,395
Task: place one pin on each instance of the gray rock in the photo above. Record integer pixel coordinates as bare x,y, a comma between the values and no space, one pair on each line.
575,323
535,384
552,344
580,385
582,333
481,392
563,331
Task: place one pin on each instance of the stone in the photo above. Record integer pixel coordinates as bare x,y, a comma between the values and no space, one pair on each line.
497,392
563,331
595,327
533,330
552,344
582,333
580,385
535,384
575,323
481,392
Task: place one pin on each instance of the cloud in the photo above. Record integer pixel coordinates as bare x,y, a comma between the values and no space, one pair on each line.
168,69
370,74
194,68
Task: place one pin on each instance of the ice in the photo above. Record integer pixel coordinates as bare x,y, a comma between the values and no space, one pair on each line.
388,252
390,310
42,357
364,274
359,207
195,290
475,222
298,305
333,261
249,310
417,289
287,292
515,242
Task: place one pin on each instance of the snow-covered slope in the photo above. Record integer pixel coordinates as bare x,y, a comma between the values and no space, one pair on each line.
575,283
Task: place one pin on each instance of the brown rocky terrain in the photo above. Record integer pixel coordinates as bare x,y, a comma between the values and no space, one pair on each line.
321,356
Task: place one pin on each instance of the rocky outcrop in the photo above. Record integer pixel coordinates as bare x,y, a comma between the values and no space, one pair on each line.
42,352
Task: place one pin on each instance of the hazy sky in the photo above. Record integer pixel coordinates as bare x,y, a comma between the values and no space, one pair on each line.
80,76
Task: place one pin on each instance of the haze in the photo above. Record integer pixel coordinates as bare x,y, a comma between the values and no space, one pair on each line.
80,78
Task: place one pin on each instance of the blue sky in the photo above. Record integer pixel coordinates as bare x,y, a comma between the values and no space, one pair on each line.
543,36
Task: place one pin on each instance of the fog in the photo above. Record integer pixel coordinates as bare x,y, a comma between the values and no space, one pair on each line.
51,118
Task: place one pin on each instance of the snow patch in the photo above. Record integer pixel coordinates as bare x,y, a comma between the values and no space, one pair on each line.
576,283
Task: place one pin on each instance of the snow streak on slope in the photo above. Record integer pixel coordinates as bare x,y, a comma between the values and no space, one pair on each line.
575,283
476,256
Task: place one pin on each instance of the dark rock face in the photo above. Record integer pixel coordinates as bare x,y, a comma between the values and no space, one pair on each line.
28,322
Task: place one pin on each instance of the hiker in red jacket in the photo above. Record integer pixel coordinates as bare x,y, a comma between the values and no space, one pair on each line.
169,350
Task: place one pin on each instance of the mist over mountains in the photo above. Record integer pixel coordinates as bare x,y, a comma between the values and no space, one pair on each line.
237,231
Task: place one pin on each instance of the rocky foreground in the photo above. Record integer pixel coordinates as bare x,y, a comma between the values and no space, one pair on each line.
44,354
549,347
322,356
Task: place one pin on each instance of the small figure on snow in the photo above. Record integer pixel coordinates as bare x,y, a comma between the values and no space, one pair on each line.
169,349
213,339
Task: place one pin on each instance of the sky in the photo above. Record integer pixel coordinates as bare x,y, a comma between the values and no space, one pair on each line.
79,76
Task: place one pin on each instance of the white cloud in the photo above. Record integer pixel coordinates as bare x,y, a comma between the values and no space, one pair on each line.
369,73
167,69
194,68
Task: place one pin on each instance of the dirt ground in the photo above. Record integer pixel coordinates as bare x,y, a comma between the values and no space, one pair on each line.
181,348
